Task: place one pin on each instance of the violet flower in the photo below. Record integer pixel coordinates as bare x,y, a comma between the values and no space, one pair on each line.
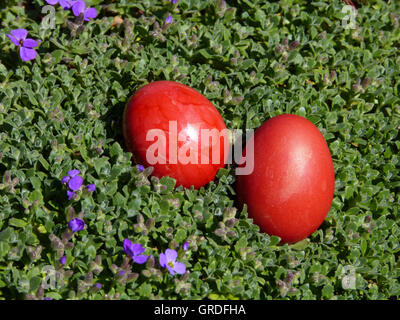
140,167
63,260
25,45
91,187
185,246
135,250
79,7
76,225
73,181
65,4
70,194
70,174
168,20
168,260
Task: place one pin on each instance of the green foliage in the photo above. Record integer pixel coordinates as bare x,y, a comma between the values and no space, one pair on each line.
253,60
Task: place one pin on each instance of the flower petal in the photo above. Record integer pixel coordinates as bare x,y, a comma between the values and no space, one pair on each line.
171,255
73,173
128,247
168,19
137,249
179,267
19,34
70,194
27,54
162,260
76,225
75,183
29,43
90,13
13,39
65,4
140,259
78,7
171,270
52,2
91,187
65,179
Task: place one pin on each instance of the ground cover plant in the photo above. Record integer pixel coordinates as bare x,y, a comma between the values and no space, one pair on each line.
78,220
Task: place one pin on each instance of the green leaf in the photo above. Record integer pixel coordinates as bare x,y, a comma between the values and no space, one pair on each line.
241,243
19,223
180,236
300,245
274,240
327,291
57,55
34,283
5,234
36,183
145,290
91,251
363,246
169,183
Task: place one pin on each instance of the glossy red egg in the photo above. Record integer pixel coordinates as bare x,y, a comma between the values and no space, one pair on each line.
163,127
290,191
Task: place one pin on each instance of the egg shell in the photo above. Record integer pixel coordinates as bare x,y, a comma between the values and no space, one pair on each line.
181,113
290,191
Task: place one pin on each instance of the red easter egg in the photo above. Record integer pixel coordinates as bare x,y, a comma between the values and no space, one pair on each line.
177,131
290,191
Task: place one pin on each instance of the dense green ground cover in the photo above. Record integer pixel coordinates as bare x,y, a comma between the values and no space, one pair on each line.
253,60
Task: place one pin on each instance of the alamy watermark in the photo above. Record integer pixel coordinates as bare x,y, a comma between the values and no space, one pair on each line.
192,145
49,20
53,279
349,20
348,276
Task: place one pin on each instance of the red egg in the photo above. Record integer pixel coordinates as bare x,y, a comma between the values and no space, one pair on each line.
290,191
177,131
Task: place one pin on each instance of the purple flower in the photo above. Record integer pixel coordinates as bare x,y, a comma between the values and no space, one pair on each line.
26,51
65,4
98,285
65,179
135,250
70,194
63,260
70,174
76,225
75,183
91,187
174,1
73,173
168,20
79,7
185,246
140,167
47,298
168,260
